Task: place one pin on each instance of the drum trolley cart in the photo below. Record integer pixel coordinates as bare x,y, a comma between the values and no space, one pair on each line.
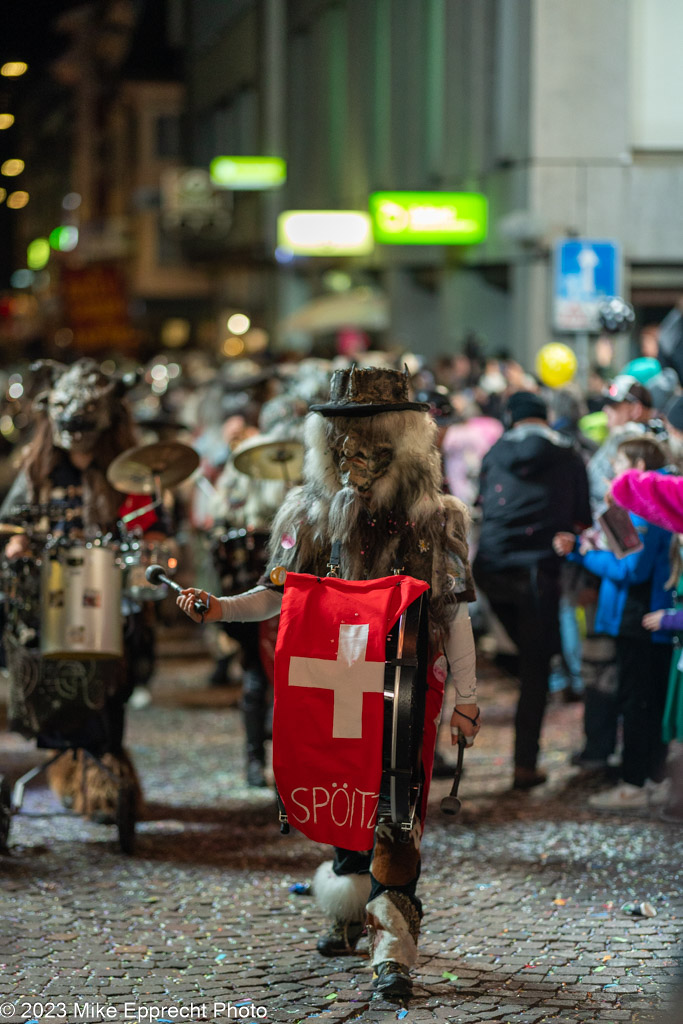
66,701
11,799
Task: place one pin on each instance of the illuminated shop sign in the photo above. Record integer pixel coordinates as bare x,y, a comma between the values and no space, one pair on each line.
248,172
428,218
325,232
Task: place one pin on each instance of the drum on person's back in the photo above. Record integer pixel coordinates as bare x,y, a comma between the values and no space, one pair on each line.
240,557
81,603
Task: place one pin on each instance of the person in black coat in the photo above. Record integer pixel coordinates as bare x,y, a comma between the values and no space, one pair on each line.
531,479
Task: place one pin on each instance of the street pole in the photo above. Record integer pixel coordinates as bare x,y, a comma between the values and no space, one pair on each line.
582,345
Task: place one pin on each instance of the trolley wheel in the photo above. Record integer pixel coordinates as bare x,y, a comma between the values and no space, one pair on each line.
125,818
5,812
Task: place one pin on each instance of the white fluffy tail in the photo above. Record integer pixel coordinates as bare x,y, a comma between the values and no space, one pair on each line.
341,897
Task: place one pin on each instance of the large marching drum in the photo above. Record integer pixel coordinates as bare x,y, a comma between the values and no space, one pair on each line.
81,602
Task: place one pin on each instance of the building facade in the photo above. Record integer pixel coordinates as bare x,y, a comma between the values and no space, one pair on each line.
564,115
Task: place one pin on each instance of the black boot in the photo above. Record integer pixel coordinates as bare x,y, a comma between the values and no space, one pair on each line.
255,773
391,980
341,939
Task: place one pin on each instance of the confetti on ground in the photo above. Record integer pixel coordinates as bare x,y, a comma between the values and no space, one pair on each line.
208,895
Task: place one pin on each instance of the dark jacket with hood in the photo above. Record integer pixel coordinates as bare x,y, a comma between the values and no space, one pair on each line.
532,484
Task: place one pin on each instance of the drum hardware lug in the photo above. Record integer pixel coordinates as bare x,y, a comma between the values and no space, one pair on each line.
406,830
401,662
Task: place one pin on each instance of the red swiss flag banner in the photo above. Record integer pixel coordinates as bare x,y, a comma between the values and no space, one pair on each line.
329,704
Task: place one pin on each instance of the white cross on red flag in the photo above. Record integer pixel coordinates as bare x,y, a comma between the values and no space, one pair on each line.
329,705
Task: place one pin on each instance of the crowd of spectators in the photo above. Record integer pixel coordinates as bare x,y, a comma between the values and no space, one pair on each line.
573,611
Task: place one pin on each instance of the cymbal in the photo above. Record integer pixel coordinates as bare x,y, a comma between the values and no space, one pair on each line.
270,460
10,529
134,471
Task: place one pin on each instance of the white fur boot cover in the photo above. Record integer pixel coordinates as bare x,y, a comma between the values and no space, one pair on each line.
341,897
393,931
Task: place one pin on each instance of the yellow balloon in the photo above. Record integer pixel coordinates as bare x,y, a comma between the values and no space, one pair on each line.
555,364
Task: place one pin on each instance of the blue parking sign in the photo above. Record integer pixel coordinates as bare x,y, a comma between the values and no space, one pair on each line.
586,272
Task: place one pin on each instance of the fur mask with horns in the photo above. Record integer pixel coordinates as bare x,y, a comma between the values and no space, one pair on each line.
80,401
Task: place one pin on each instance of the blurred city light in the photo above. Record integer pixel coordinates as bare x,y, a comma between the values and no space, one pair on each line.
232,347
238,323
71,201
64,337
64,238
21,279
15,390
17,200
37,253
6,121
429,218
325,232
283,254
337,281
256,340
175,332
13,69
7,428
3,194
248,172
10,168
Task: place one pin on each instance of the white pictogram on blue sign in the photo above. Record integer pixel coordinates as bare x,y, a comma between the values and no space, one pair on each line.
585,274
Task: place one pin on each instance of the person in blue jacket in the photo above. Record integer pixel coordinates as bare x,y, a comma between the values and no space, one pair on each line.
631,587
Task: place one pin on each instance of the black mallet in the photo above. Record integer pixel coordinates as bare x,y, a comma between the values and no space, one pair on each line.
451,804
155,574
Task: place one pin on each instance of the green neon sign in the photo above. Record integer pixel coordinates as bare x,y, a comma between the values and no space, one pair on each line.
251,173
429,218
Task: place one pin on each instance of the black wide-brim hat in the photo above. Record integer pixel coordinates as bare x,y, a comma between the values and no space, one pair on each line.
369,391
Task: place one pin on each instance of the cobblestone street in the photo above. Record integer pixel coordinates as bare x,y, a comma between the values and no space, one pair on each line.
523,893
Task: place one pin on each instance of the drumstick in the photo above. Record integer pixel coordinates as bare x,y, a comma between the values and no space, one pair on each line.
155,574
451,804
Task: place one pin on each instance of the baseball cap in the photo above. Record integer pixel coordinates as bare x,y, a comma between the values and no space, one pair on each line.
625,388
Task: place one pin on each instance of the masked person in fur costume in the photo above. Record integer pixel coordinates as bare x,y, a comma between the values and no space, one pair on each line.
372,483
62,493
